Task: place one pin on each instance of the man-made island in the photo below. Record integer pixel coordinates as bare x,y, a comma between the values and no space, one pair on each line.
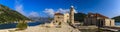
61,23
65,22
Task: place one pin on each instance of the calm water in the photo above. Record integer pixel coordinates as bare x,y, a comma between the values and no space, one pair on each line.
117,23
13,25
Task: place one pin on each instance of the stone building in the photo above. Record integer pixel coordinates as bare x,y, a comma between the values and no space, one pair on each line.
109,22
72,15
59,18
98,20
67,17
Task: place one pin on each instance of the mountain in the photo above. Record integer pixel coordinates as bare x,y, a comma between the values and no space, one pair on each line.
117,18
34,18
79,16
8,15
41,19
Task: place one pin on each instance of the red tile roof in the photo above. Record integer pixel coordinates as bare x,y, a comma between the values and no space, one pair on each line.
58,14
96,15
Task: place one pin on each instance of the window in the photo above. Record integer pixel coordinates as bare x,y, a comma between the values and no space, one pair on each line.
56,21
58,17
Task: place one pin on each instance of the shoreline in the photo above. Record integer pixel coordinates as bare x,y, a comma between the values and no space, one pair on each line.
42,28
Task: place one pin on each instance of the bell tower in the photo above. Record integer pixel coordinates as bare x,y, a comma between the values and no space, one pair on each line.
72,15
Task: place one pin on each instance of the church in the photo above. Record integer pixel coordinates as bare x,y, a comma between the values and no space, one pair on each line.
66,17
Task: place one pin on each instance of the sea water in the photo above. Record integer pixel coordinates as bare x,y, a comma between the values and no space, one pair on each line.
117,23
13,25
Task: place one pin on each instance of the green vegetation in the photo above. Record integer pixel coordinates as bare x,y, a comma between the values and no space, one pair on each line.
117,18
8,15
21,25
79,16
50,18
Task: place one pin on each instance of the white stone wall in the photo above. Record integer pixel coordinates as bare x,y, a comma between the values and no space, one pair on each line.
58,18
61,18
112,22
109,22
66,17
72,14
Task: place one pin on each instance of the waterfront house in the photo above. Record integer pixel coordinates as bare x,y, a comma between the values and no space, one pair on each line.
98,20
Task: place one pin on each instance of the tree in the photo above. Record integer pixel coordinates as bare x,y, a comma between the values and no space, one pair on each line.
79,17
22,25
8,15
117,18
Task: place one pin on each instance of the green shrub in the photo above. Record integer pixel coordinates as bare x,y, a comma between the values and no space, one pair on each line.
22,26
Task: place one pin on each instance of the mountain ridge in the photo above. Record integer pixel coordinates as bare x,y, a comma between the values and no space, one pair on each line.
9,15
117,18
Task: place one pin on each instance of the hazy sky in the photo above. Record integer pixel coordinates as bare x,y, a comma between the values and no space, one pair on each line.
110,8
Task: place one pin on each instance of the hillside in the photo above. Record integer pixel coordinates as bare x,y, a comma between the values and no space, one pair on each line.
117,18
8,15
79,17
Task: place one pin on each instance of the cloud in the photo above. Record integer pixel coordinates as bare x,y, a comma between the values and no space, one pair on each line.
19,7
75,11
34,14
51,12
60,10
65,10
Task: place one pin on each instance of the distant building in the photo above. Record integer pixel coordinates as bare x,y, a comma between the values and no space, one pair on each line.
98,20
